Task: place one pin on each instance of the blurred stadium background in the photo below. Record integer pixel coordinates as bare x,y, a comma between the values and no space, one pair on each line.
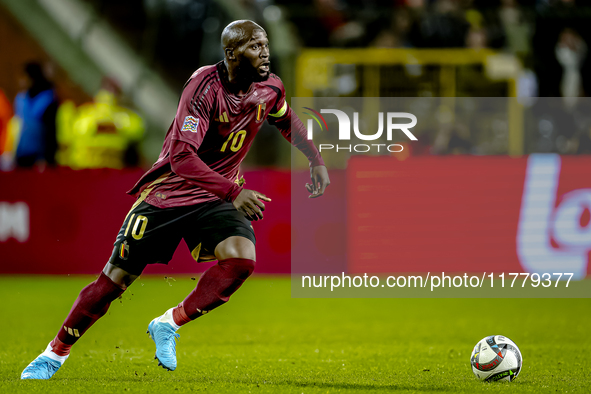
118,67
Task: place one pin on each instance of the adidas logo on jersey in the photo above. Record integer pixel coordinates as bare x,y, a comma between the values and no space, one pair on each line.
223,118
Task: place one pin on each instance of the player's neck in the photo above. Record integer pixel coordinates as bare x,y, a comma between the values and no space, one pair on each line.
235,83
240,88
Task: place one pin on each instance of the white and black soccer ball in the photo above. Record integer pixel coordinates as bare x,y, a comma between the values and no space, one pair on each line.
496,358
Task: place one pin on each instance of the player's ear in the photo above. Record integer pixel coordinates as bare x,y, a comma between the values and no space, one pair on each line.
230,54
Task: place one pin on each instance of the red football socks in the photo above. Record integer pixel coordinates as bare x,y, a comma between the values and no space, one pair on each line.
59,348
92,303
214,288
179,315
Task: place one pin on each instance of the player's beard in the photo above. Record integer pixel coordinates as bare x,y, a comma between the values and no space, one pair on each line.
249,74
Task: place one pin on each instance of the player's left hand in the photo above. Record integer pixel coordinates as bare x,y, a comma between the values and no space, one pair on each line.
320,180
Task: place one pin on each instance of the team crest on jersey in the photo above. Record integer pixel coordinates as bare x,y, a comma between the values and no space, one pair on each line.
261,112
124,251
190,124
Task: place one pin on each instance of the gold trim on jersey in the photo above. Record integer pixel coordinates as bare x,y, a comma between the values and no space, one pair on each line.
281,112
196,254
145,193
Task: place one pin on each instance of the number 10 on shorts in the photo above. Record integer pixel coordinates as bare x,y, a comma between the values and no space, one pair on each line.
139,226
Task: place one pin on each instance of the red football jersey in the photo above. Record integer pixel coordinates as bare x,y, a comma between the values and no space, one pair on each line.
221,127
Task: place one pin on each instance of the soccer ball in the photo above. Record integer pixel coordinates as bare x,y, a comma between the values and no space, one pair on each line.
496,358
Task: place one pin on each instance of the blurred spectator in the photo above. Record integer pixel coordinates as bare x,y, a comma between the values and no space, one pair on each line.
5,115
343,31
476,38
66,116
489,25
103,134
517,25
396,32
35,110
571,52
561,27
443,25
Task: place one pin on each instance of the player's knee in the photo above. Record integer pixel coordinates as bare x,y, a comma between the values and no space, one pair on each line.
235,247
119,276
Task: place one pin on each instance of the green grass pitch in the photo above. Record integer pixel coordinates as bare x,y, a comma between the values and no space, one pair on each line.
263,341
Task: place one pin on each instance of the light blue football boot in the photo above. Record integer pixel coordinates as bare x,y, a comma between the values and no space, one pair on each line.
164,336
44,366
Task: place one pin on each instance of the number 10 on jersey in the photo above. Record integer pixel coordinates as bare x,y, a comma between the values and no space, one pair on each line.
237,141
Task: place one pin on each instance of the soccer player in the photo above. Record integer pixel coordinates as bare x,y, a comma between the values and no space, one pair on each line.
193,192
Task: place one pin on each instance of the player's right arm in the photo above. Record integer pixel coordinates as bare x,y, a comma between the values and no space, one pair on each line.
194,114
185,162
